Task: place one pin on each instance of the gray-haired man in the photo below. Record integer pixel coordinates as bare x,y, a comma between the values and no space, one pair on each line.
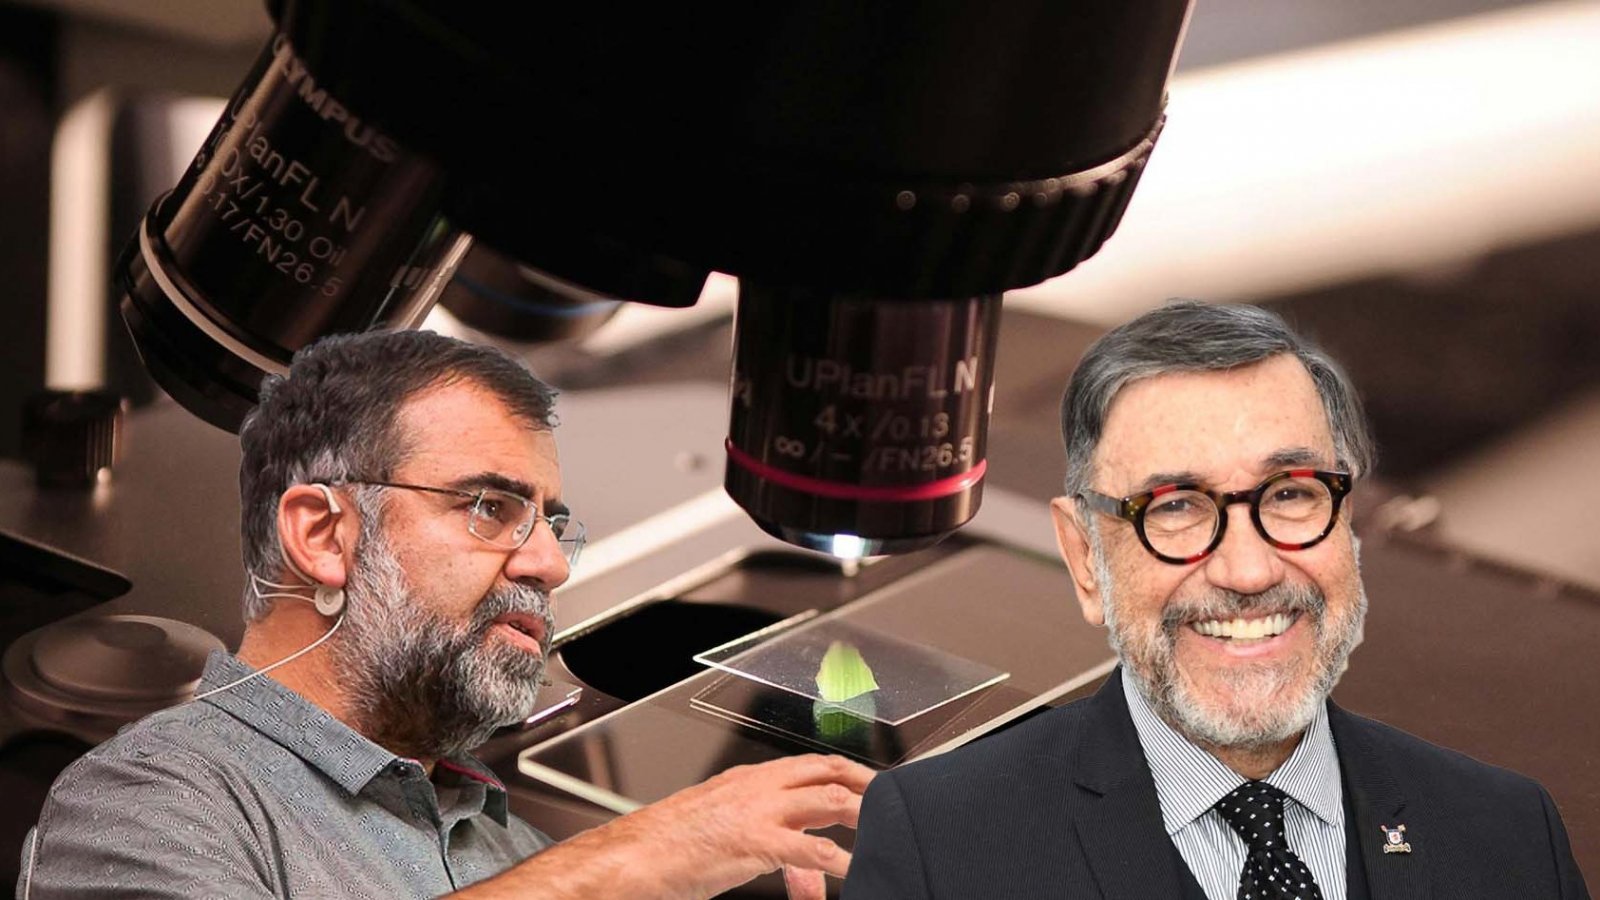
1210,452
403,529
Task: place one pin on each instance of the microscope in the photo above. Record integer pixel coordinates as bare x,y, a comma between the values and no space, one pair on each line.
874,175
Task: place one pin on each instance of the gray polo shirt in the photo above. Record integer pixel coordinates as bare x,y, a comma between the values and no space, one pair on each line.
256,792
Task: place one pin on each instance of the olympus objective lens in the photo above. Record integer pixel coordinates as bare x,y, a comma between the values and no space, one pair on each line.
296,219
858,424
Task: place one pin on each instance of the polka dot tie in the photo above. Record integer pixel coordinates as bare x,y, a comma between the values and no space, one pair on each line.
1271,870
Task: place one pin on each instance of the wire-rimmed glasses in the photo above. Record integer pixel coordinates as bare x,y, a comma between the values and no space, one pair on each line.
504,519
1183,523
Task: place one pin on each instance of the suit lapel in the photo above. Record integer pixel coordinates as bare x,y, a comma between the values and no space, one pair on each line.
1116,812
1378,800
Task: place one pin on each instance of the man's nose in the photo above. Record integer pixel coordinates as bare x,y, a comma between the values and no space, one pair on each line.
1244,561
539,560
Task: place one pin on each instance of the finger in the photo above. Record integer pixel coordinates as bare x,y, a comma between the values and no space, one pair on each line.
804,884
821,805
815,768
799,850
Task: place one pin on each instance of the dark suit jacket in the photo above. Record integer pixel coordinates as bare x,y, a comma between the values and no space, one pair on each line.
1063,805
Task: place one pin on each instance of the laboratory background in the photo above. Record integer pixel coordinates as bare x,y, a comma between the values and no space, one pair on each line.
1415,186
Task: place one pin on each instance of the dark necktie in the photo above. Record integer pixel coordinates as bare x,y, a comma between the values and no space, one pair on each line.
1271,870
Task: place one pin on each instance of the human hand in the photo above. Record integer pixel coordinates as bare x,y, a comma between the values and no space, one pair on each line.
804,884
750,820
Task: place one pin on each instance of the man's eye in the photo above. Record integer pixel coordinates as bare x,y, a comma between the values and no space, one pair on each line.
1298,493
491,508
1176,506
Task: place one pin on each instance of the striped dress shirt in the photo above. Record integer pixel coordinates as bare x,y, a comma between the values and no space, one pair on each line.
1190,781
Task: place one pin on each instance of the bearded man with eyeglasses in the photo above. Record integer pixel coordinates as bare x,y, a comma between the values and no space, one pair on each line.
403,528
1205,525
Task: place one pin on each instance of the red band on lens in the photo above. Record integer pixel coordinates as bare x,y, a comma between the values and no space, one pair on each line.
840,490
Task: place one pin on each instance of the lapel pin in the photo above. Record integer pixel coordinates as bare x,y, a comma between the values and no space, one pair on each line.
1394,839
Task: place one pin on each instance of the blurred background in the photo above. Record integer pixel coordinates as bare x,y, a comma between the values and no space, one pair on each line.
1416,185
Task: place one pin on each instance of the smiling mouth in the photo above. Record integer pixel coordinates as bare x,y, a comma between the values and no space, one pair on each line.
1244,630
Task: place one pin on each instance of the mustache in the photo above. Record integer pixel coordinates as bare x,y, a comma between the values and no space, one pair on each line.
1225,604
515,599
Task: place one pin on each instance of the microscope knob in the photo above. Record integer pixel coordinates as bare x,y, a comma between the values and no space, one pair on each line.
72,437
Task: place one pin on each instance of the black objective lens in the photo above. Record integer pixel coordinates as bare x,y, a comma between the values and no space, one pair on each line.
859,424
296,219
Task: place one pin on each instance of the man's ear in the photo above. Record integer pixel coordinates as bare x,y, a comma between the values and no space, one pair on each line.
1073,543
316,539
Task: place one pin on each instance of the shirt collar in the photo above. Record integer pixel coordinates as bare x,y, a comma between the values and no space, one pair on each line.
343,754
1189,781
468,769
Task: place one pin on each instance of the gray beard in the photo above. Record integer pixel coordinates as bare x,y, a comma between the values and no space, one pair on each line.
422,685
1269,707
